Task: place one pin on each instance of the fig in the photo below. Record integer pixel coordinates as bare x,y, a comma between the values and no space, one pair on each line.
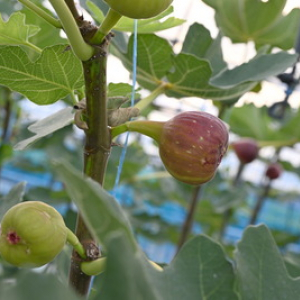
274,171
139,9
32,233
246,150
191,145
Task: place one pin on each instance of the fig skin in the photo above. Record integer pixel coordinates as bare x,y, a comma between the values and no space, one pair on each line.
32,234
139,9
192,145
274,171
246,150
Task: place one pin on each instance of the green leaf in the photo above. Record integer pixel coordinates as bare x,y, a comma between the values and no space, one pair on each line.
257,69
260,268
119,94
47,126
15,31
54,75
14,196
48,34
153,59
260,21
254,122
144,26
199,271
36,286
190,78
100,210
135,161
199,42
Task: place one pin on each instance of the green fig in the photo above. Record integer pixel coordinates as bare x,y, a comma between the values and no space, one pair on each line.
139,9
32,234
191,145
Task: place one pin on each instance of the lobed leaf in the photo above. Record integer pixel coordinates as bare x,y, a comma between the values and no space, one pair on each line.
199,271
54,75
15,31
260,21
260,268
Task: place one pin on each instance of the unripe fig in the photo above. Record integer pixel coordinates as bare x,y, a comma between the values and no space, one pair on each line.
191,145
246,150
32,233
274,171
139,9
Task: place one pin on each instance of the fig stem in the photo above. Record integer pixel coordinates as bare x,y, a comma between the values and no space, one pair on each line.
228,213
81,49
74,241
110,20
260,201
188,222
40,12
151,129
94,267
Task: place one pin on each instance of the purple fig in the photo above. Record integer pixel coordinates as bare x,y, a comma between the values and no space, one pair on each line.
246,150
191,145
274,171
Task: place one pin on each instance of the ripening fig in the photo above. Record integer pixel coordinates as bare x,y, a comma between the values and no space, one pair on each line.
191,145
246,150
139,9
32,233
274,171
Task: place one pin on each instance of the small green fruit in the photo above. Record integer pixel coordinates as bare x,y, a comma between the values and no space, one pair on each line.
139,9
32,233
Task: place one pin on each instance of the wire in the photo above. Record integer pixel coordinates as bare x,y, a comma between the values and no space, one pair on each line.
134,71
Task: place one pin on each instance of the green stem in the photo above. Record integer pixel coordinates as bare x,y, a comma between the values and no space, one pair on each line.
81,49
188,223
33,47
228,213
259,203
152,129
95,267
40,12
143,103
96,152
110,20
75,243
